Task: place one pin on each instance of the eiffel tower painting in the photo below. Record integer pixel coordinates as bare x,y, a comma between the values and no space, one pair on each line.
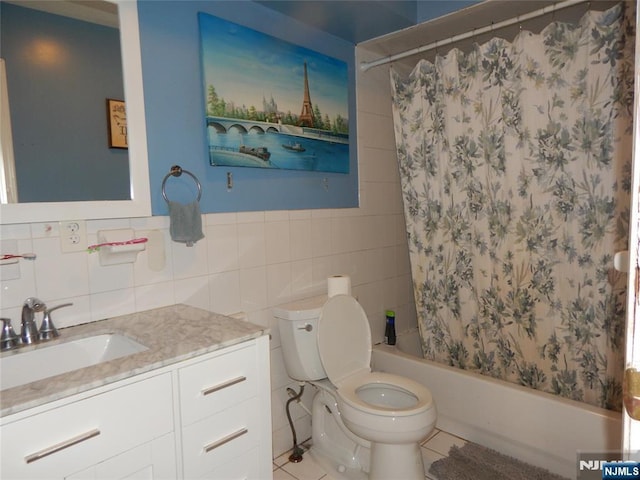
257,101
306,117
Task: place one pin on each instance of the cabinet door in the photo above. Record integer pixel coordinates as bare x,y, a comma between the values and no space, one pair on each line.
83,433
153,461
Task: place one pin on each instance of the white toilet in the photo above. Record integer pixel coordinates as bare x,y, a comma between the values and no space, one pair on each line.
364,422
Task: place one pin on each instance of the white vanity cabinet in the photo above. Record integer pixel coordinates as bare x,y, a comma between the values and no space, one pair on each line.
205,417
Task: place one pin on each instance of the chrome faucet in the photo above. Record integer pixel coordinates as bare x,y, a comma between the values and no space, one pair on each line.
8,338
48,330
28,327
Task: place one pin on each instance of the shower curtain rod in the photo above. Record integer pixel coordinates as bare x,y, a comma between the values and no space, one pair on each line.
364,66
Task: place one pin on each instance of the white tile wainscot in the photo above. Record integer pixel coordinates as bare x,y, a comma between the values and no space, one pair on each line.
186,407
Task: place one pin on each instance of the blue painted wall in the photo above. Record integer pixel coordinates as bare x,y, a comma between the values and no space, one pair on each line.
428,10
60,72
174,105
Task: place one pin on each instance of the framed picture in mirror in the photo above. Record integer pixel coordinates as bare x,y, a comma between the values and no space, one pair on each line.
117,123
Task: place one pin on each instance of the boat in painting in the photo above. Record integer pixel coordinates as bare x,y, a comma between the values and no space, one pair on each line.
296,147
260,152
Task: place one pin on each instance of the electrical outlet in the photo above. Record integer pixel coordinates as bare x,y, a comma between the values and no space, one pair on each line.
73,236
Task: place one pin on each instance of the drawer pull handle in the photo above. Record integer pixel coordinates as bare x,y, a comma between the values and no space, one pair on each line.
228,383
45,452
227,439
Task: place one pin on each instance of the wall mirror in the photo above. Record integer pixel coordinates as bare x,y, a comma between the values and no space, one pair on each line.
135,201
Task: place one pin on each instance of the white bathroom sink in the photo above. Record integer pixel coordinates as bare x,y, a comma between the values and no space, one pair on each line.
26,366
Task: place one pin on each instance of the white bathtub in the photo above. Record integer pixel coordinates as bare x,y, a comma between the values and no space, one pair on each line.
536,427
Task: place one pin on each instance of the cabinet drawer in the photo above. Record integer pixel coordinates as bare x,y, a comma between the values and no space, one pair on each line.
244,467
67,439
217,383
212,442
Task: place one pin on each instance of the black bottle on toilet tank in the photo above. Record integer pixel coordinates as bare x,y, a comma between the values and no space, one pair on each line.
390,328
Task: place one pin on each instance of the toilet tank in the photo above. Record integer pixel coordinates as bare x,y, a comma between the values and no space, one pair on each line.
298,325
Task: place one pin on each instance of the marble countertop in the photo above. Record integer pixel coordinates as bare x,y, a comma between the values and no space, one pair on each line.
172,334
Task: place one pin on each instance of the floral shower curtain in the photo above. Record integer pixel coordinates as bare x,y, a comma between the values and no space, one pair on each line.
515,166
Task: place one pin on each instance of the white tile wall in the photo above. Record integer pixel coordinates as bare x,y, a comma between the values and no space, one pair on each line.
249,261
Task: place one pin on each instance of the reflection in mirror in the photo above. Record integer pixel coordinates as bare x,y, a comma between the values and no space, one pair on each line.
8,184
59,73
132,199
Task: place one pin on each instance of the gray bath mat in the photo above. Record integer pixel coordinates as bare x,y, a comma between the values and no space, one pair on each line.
473,462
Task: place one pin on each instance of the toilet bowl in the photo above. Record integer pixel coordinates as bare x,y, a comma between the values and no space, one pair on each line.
386,408
388,414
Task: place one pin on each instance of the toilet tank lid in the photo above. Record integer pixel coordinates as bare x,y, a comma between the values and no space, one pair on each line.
305,309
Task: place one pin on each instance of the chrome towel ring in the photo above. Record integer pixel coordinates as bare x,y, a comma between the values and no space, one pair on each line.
176,171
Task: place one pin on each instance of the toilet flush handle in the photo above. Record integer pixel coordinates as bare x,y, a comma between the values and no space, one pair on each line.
308,327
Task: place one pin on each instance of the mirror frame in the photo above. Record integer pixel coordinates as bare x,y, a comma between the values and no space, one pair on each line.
140,203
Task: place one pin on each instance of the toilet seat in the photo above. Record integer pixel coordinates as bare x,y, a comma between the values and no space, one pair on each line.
414,396
344,344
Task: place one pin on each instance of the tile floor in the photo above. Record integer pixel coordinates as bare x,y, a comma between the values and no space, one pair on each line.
433,448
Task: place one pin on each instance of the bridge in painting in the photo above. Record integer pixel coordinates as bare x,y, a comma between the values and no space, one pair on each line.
224,124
